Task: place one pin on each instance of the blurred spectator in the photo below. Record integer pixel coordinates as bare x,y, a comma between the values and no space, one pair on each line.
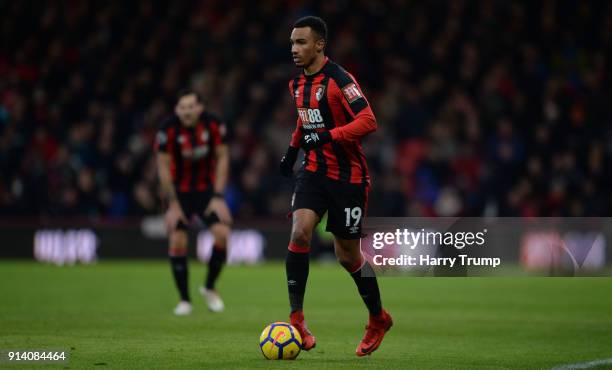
484,107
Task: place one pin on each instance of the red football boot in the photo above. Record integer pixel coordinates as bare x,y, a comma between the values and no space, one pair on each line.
297,321
375,332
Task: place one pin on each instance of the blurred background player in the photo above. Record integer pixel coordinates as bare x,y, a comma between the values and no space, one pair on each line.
193,166
333,116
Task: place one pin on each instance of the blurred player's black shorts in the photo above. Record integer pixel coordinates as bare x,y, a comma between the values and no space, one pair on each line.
195,203
345,203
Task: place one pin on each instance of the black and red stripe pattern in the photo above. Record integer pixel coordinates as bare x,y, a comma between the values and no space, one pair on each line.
325,100
192,151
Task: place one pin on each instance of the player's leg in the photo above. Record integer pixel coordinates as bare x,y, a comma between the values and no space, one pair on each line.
218,255
297,261
209,208
344,221
308,205
297,267
177,252
349,255
220,232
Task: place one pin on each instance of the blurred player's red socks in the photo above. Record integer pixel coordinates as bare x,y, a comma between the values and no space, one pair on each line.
365,279
179,270
215,264
296,266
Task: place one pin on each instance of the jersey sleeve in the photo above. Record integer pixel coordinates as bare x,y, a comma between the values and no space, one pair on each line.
350,94
297,133
161,138
219,132
291,90
354,102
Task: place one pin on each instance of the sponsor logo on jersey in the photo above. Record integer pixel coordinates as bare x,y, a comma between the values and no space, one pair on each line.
196,153
310,115
309,126
296,93
351,92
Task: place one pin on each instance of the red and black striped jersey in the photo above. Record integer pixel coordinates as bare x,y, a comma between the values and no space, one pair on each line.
332,100
192,151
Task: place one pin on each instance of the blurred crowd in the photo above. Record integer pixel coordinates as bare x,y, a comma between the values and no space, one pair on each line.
484,107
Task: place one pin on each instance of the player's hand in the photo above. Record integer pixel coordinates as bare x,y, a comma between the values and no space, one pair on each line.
314,140
217,205
174,214
288,161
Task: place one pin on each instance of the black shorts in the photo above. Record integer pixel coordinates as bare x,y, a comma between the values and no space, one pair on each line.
195,203
344,202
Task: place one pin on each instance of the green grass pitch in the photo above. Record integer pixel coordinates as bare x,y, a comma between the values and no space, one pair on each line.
118,315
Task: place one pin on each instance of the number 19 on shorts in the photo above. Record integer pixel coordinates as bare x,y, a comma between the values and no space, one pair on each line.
353,215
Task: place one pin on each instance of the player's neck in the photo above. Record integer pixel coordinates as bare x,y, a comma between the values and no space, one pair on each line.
316,65
189,125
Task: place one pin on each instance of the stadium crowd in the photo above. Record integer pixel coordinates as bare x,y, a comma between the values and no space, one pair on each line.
484,107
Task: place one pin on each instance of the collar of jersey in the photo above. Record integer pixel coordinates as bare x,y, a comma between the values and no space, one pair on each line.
317,72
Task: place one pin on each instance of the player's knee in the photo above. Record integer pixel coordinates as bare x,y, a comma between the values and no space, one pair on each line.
177,251
348,255
178,243
344,259
349,262
301,236
221,242
221,234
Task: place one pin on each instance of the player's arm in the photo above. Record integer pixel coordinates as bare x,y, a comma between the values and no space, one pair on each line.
355,103
163,164
296,135
165,178
174,213
362,124
288,160
222,167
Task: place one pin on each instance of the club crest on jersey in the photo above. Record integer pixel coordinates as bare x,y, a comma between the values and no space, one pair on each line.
319,93
351,92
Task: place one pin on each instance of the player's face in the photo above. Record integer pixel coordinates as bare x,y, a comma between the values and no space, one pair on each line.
188,110
305,45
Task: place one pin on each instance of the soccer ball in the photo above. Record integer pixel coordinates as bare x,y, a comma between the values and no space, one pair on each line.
280,341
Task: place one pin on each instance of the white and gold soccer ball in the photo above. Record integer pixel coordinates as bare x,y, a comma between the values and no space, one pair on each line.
280,341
